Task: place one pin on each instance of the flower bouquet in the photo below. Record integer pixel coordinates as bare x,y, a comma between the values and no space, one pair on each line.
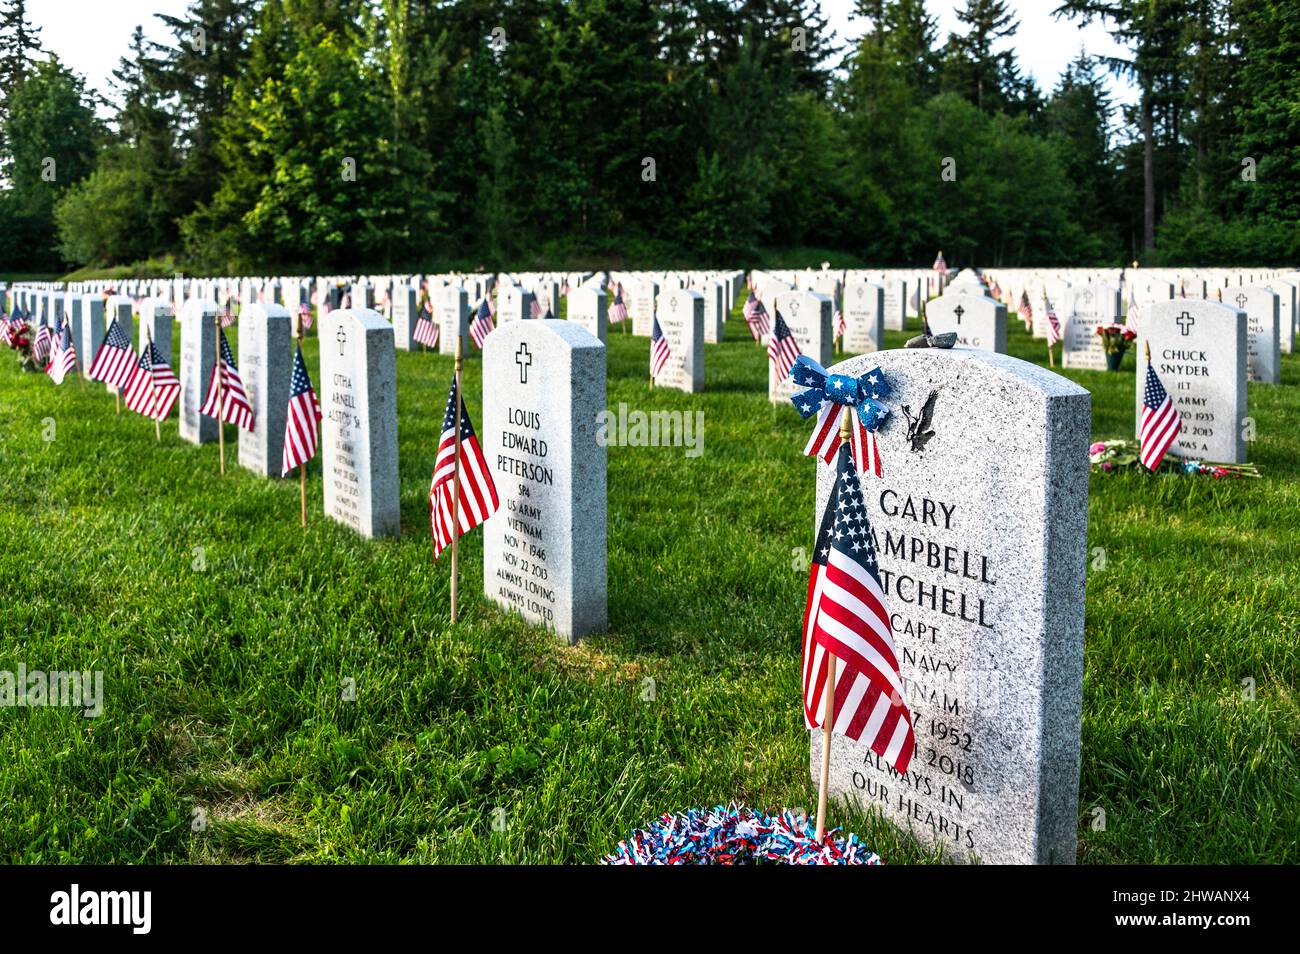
1115,339
1109,456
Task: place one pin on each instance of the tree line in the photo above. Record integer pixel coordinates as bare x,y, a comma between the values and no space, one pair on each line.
394,134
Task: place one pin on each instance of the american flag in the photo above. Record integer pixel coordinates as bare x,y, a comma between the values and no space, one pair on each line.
564,289
234,408
1134,310
782,349
426,332
227,315
618,310
478,494
63,358
756,317
481,326
115,362
300,423
41,345
1160,421
10,325
535,308
939,264
824,442
1053,323
841,324
1026,310
154,387
304,316
659,351
846,618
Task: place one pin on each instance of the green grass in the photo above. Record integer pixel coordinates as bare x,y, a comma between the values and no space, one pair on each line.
223,685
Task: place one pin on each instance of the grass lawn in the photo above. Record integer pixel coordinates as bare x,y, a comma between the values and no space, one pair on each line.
226,635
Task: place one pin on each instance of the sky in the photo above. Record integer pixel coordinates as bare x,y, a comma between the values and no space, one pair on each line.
92,35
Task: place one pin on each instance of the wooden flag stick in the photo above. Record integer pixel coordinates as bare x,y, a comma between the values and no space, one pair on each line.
828,709
455,482
221,427
153,391
302,468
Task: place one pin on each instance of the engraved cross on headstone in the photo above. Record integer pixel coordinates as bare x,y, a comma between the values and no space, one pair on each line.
1241,300
1185,322
523,359
959,311
342,339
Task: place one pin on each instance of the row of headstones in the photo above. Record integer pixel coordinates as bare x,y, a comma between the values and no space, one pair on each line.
1083,300
987,597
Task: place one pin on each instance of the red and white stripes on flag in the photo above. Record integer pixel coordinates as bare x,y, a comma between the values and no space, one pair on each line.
756,316
618,310
841,325
846,617
478,494
782,349
1053,323
824,442
1161,422
426,332
300,423
115,361
659,351
1134,311
42,344
63,358
235,408
154,387
482,325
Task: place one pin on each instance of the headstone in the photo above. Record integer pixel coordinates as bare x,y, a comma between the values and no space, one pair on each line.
156,326
1198,349
1263,317
715,311
358,369
1094,306
452,311
640,300
981,541
808,316
864,317
980,321
514,303
1288,303
265,366
681,319
405,314
544,549
895,304
198,356
589,308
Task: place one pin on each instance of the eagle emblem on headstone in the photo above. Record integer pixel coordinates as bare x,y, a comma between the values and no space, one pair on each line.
919,431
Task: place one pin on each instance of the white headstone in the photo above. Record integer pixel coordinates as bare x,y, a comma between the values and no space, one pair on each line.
864,317
1198,349
452,309
681,319
980,532
359,433
265,366
544,549
1263,318
1094,306
198,356
979,321
808,316
589,308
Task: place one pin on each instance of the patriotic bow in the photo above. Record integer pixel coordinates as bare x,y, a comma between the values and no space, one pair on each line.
863,393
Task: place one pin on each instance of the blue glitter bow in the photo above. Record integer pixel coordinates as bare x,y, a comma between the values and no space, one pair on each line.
863,393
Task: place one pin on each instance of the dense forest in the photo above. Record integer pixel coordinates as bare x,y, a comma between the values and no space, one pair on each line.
309,134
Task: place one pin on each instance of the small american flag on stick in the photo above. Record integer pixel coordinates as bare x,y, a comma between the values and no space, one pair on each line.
300,428
42,344
1134,310
1161,422
64,356
782,349
426,332
482,325
846,622
1026,310
1053,323
659,350
304,316
115,362
154,387
227,383
477,499
618,310
756,317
